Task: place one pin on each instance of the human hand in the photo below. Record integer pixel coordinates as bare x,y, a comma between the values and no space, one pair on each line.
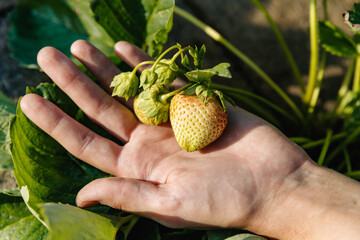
234,182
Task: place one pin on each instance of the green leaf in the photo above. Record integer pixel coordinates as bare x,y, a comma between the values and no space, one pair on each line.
42,165
166,72
191,90
354,121
199,76
352,18
185,61
15,192
16,221
357,38
35,24
125,85
204,75
7,111
245,236
222,70
197,56
69,222
335,41
145,23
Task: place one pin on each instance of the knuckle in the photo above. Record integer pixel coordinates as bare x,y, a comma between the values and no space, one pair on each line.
86,142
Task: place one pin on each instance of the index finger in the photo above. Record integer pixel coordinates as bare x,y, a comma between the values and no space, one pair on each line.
92,99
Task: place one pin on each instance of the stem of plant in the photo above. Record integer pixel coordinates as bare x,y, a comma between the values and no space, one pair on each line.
164,97
320,77
347,160
283,45
130,221
314,59
142,64
356,82
354,174
325,147
219,38
178,53
273,106
343,89
346,142
164,53
256,108
319,142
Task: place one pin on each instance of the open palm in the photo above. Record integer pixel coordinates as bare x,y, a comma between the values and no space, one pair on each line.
225,184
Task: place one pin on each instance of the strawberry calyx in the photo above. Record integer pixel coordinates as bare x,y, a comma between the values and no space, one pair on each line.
208,94
202,82
152,106
125,85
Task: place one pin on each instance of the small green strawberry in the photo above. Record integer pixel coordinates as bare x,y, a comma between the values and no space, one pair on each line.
152,105
194,123
125,85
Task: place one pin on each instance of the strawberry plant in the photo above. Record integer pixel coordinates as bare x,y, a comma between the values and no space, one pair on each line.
197,112
49,177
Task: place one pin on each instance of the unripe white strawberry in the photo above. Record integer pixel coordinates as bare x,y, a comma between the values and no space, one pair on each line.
195,124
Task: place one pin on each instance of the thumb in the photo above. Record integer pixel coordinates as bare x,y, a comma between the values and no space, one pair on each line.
130,195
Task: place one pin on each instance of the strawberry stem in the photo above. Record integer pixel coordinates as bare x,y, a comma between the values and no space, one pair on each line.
164,53
178,53
142,64
164,97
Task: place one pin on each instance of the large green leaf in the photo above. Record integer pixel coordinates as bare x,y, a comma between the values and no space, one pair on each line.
245,236
42,165
16,221
143,22
7,110
335,41
69,222
38,23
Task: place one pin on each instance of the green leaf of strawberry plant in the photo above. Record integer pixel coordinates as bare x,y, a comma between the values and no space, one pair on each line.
335,41
190,90
245,236
199,76
43,167
17,222
185,61
145,23
69,222
352,18
357,38
222,70
203,76
221,97
38,23
7,111
198,56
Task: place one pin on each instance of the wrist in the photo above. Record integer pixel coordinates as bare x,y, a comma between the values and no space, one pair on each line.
312,203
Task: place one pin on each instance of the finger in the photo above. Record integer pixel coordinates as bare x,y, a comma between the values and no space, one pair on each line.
74,137
94,101
131,195
95,61
131,54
